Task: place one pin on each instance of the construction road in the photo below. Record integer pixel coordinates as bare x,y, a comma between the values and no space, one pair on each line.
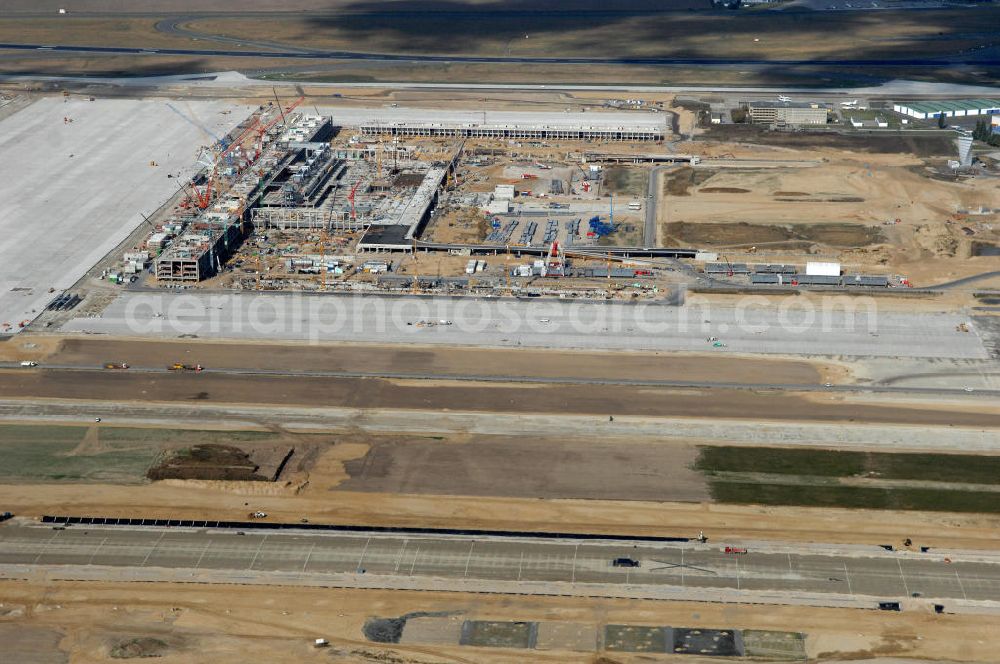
754,432
849,576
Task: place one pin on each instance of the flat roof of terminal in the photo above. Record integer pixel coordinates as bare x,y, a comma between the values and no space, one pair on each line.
522,127
950,105
355,117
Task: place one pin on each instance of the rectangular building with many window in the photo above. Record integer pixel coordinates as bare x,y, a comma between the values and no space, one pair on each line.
784,113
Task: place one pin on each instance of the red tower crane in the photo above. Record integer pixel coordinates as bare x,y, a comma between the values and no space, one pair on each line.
555,262
263,129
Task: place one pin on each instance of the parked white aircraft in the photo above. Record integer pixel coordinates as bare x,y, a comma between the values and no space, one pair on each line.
784,98
849,104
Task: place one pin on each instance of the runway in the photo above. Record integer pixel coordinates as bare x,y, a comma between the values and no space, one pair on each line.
856,576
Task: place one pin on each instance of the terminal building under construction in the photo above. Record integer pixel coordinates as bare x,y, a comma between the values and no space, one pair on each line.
597,132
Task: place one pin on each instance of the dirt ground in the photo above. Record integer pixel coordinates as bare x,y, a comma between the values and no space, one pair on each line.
223,462
626,181
845,208
529,468
81,622
461,225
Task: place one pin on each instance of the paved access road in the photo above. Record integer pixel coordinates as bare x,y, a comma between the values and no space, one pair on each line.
460,562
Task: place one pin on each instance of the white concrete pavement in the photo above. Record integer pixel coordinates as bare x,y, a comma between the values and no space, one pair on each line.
76,176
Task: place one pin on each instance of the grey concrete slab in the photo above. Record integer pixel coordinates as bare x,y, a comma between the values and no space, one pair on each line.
977,581
877,578
443,558
277,555
383,555
496,560
82,179
176,550
931,579
546,562
230,553
336,554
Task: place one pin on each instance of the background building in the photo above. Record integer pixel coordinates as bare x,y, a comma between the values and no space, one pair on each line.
923,110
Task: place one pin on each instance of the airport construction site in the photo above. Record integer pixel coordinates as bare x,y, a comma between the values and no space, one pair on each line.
293,201
295,209
597,205
547,424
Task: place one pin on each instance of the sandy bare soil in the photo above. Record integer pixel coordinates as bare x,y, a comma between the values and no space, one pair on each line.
868,190
222,624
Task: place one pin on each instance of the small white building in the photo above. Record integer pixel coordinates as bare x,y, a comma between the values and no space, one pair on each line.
818,268
157,241
498,207
503,192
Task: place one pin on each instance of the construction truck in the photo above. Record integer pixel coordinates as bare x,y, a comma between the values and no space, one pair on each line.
177,366
116,365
